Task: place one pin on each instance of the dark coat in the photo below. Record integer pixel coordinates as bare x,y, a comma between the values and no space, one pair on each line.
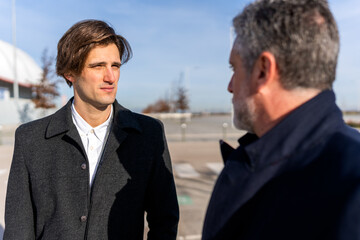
49,197
301,180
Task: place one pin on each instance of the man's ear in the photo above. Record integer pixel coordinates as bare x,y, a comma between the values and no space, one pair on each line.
264,71
70,77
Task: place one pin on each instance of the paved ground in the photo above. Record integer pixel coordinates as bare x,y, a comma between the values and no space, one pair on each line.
196,163
194,179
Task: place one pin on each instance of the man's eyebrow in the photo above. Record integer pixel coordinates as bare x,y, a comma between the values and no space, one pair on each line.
93,64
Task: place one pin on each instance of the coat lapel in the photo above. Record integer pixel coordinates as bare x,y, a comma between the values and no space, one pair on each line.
226,150
61,123
122,122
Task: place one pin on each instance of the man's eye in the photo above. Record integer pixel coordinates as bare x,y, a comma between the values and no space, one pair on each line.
96,66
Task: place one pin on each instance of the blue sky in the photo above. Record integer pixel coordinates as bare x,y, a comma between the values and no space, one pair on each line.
170,38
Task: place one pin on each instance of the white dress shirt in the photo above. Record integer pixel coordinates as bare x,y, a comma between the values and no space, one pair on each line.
93,139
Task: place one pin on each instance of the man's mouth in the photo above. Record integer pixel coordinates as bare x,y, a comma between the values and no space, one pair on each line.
107,89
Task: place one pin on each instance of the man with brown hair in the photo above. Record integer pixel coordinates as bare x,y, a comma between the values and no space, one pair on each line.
92,169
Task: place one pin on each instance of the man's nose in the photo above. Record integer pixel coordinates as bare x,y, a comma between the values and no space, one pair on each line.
230,87
110,75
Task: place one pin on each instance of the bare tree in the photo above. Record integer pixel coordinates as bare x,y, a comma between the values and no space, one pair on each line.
176,102
46,90
160,106
181,101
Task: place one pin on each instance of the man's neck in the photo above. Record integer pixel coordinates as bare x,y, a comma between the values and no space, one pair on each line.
281,104
92,115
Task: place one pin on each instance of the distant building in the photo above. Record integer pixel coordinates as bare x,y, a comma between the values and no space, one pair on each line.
15,111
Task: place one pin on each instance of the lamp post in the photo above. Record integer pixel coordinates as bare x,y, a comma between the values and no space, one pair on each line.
16,84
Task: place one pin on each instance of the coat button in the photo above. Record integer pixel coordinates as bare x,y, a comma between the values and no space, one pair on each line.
83,166
83,218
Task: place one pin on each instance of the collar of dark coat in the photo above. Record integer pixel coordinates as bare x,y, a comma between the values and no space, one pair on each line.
61,121
307,126
303,128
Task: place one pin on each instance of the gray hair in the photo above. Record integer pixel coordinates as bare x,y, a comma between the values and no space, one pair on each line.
301,34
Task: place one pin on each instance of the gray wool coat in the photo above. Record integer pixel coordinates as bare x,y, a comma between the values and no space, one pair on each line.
49,197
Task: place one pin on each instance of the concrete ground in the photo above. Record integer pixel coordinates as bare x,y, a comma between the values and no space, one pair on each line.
196,163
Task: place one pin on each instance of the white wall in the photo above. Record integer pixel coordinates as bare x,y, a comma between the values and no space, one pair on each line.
22,111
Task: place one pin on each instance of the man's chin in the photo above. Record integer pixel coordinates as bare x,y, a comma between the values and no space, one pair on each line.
107,100
242,126
105,103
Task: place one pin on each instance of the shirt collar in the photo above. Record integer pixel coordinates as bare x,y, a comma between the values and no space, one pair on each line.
85,128
302,128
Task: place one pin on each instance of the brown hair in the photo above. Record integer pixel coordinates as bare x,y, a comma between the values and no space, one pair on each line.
80,39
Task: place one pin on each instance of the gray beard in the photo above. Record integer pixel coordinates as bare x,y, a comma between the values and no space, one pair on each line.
243,117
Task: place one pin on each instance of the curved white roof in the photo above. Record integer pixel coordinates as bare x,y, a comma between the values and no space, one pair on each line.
28,72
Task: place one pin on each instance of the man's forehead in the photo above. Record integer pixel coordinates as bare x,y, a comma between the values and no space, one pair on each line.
234,56
231,56
99,52
235,50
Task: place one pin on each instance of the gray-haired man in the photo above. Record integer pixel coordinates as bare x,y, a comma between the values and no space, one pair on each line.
296,174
